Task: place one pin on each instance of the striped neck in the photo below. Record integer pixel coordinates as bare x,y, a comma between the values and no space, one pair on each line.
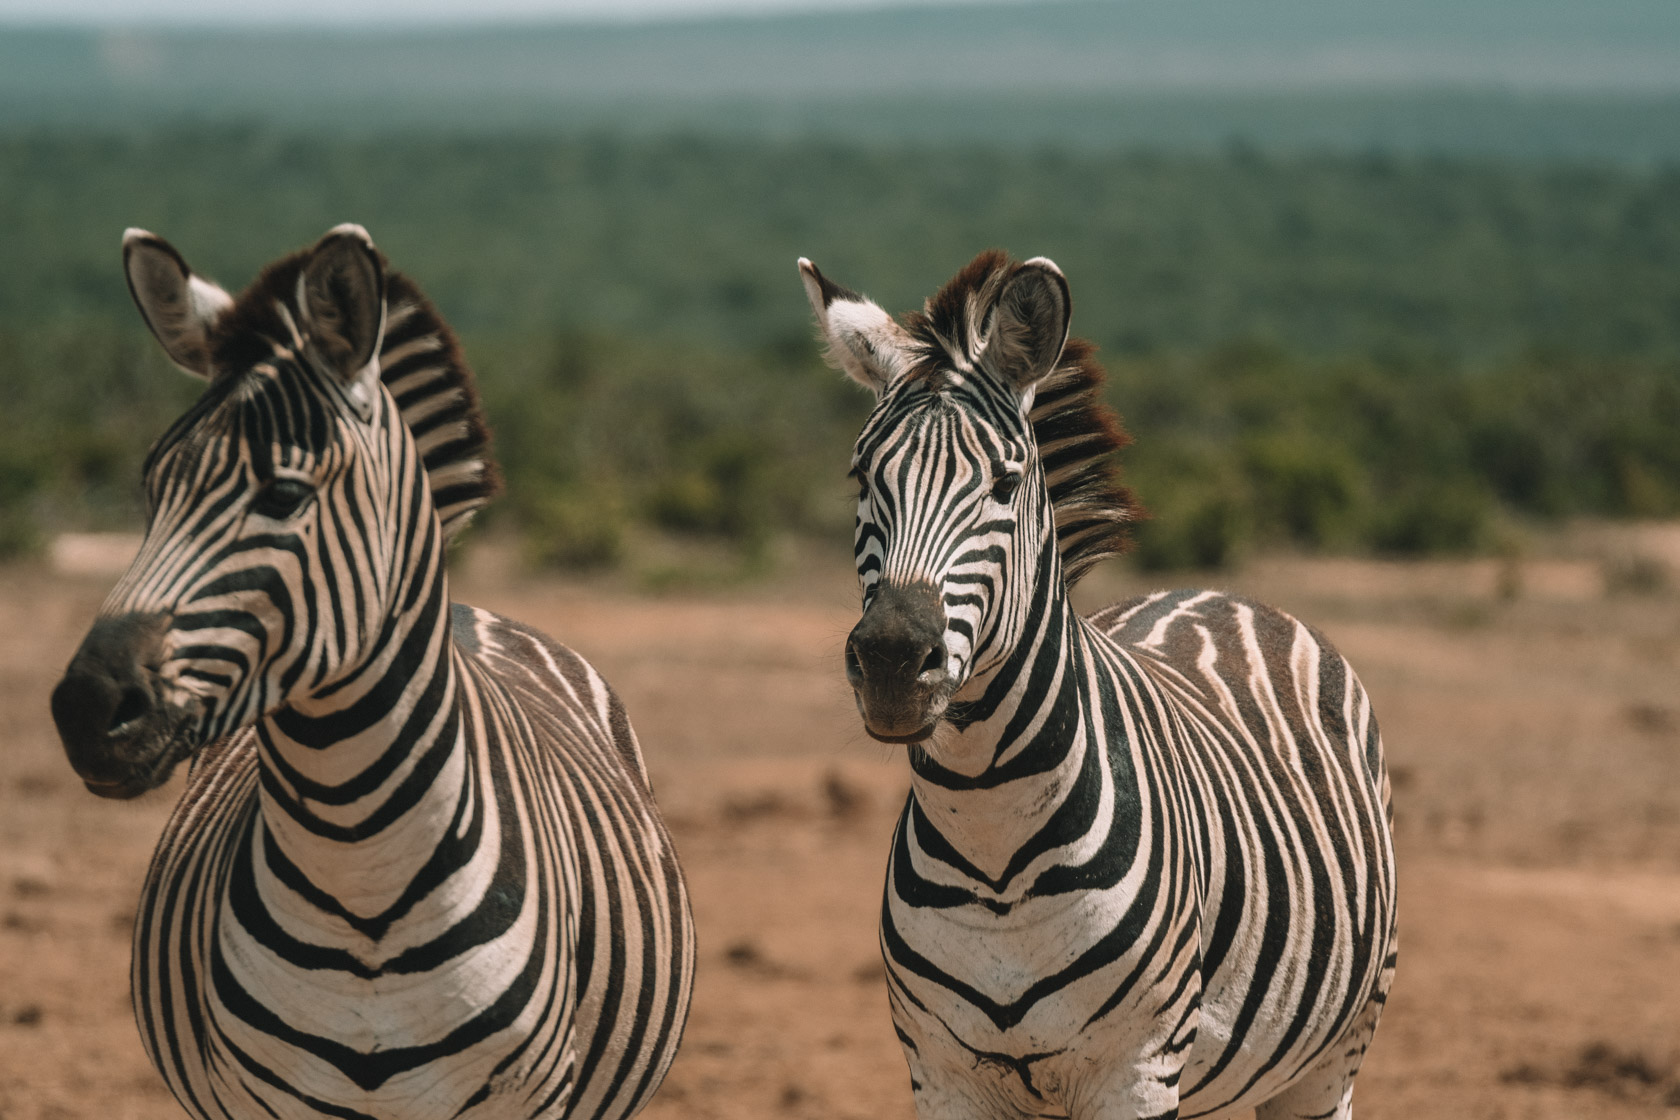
365,784
1012,779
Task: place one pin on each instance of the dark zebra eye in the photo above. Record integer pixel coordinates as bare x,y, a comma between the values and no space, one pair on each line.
1003,489
282,497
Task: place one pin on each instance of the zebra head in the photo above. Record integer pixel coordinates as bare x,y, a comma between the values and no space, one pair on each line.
955,522
277,508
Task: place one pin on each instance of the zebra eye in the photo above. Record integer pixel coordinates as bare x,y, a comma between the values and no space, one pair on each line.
1003,489
282,497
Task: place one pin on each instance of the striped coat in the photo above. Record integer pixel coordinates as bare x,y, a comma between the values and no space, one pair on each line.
1145,869
417,870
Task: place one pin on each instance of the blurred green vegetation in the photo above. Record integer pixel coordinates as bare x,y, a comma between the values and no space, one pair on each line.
1248,445
1318,352
599,435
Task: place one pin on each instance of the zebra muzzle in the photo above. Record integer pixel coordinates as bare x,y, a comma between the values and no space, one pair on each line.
895,663
117,733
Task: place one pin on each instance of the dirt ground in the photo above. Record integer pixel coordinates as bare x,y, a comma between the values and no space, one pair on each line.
1532,714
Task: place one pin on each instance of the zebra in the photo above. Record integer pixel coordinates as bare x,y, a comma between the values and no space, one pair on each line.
1145,868
417,871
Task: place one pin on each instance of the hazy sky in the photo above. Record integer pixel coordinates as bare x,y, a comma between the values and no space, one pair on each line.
361,11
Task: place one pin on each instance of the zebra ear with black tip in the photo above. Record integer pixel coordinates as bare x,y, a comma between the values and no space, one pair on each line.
862,340
341,298
1029,324
178,305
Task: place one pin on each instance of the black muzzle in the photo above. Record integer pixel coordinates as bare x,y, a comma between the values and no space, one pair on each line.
895,662
116,730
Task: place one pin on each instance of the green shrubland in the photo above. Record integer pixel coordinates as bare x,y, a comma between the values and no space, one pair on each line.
1351,353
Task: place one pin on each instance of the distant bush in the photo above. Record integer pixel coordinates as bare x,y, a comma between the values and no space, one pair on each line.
21,483
83,403
727,491
1195,526
575,527
1634,573
1313,352
1388,455
1456,517
692,238
1313,491
1244,447
684,441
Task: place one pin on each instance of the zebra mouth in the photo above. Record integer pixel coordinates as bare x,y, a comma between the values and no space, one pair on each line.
118,791
883,727
132,758
914,737
167,751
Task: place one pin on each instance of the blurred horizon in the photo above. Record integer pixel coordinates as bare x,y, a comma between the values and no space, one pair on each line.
304,13
1539,80
1367,277
725,46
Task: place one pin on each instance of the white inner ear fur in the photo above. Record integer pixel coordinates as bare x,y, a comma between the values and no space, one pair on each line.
864,340
206,299
360,391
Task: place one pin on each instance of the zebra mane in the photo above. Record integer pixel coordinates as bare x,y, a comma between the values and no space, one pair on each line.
1078,436
420,362
1077,433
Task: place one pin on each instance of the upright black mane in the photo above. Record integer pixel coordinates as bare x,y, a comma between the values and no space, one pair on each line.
1077,434
420,362
1078,437
422,365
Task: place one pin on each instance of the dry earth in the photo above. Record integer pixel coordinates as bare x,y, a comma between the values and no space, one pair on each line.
1533,726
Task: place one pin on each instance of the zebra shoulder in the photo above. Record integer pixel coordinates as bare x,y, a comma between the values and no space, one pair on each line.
1177,626
1235,654
536,665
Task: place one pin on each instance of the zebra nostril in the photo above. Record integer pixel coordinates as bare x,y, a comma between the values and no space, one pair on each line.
854,666
934,661
131,706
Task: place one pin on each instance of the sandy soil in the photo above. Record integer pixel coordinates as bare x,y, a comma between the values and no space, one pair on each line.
1533,726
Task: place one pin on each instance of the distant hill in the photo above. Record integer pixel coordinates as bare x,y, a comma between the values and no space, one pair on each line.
1542,78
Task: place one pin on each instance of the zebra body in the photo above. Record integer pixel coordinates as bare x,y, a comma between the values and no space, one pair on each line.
1145,869
417,870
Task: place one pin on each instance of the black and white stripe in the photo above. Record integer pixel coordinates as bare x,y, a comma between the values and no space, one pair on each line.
417,870
1145,869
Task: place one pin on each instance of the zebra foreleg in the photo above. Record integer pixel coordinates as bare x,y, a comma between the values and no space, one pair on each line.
1138,1077
1143,1092
1315,1098
942,1093
962,1083
1325,1090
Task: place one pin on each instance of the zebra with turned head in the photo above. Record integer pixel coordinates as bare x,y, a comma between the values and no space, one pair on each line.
417,870
1145,868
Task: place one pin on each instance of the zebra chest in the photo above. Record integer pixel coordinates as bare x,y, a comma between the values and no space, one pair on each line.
268,990
440,1026
1028,981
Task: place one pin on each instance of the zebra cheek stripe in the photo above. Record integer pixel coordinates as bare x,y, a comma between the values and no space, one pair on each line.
417,869
1145,868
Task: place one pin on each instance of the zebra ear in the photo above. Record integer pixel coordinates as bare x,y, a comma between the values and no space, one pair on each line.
177,305
1029,324
862,340
341,295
